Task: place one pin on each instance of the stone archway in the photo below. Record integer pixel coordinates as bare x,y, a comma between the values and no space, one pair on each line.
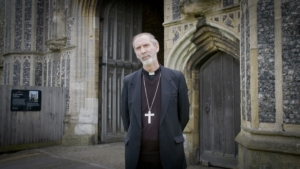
215,47
207,40
86,24
120,21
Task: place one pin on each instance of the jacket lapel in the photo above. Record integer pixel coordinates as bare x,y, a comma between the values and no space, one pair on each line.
135,92
166,90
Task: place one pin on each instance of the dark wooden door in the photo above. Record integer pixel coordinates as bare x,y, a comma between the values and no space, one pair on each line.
122,20
220,110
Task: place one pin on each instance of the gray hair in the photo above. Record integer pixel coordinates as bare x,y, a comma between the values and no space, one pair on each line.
152,38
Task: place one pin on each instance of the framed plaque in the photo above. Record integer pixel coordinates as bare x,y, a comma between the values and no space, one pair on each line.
26,100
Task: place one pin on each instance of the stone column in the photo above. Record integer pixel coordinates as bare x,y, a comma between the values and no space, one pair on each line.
81,122
270,88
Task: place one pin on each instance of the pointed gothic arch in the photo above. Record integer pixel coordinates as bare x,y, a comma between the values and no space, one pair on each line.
196,49
209,40
206,39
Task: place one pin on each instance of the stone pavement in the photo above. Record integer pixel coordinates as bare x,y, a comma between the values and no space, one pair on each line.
103,156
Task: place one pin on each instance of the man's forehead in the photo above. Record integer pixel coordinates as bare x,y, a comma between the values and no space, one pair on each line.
143,39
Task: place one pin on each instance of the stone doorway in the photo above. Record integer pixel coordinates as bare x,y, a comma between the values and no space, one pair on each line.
220,110
120,21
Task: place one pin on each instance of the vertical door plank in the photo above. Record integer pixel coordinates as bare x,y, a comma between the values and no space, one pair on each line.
217,105
43,112
123,21
227,75
206,116
114,102
3,111
237,115
223,72
7,128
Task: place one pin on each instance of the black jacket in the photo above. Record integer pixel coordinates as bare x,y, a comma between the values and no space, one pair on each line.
173,119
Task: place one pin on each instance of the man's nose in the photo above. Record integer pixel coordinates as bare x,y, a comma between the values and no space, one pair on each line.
143,50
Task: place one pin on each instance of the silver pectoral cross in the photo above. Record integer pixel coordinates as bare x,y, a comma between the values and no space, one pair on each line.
149,116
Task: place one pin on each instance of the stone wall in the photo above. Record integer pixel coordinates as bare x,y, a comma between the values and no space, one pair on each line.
266,60
227,3
40,11
175,10
245,62
28,59
8,26
264,23
2,28
291,61
270,84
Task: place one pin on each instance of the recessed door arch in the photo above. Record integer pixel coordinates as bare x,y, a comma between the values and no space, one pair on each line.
219,110
121,21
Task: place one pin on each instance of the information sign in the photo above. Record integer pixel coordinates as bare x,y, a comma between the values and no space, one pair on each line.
26,100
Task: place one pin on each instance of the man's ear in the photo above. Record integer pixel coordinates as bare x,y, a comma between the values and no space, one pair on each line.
157,47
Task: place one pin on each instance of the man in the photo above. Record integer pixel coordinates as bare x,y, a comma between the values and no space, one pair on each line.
154,110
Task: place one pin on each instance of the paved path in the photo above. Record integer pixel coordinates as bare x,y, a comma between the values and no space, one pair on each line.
104,156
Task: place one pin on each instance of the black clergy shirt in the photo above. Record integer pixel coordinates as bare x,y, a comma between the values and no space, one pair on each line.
150,137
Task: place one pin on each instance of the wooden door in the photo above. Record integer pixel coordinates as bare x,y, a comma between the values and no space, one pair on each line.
122,20
220,110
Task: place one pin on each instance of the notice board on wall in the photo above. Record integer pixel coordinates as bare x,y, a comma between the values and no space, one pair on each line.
26,100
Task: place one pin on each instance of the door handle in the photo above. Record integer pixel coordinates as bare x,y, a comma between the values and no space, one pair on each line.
207,109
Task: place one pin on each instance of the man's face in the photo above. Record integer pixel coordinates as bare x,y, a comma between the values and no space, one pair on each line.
145,50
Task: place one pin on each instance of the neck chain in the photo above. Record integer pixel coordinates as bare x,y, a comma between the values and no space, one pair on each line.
149,108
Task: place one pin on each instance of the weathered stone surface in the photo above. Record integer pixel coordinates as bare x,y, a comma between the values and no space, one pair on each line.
6,73
291,61
245,62
56,44
27,25
46,25
196,7
266,60
242,65
18,25
176,11
49,69
17,73
26,71
2,28
38,73
267,151
40,25
7,45
228,2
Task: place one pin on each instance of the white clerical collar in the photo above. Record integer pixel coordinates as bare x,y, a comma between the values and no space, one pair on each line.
151,73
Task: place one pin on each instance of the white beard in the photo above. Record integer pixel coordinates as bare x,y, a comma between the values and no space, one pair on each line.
147,62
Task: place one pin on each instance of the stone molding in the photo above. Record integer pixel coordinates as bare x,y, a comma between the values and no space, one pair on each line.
56,44
37,53
181,50
209,40
273,143
271,133
196,7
